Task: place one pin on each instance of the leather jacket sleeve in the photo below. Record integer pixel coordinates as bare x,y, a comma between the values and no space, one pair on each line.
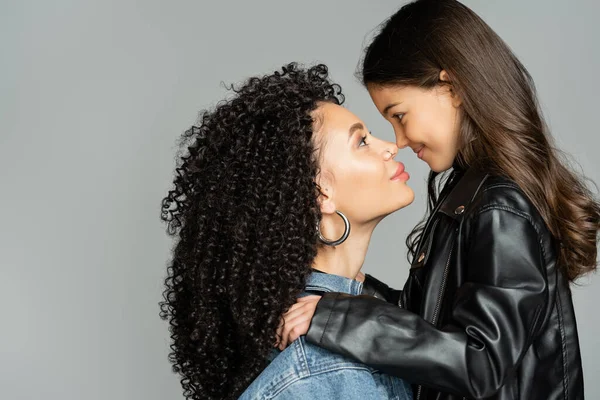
376,288
496,314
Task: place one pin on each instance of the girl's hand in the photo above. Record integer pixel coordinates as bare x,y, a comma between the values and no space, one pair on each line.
296,321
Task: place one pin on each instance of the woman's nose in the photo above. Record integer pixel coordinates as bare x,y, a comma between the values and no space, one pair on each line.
390,151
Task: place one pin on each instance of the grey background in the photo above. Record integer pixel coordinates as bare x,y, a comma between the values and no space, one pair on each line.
92,98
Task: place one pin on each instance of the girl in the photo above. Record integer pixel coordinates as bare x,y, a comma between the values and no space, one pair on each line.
268,189
487,310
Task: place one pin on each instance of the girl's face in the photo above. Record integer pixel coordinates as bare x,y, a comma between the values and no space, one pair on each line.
426,120
359,175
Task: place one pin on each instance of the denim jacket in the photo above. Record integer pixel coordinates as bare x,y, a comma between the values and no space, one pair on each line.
305,371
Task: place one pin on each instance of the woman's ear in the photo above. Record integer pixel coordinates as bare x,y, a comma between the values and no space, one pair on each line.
326,193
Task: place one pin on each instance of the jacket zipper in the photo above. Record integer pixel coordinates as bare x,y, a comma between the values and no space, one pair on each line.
419,392
438,305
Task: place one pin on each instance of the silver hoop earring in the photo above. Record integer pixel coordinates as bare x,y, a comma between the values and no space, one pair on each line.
344,236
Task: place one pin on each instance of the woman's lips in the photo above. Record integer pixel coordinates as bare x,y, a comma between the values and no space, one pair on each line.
401,174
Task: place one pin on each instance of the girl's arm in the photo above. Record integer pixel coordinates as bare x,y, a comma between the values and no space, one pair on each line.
496,314
376,288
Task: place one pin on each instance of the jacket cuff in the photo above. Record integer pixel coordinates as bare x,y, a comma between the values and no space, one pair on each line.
319,321
376,288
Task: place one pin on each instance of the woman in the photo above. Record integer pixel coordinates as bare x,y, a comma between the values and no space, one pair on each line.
487,306
275,183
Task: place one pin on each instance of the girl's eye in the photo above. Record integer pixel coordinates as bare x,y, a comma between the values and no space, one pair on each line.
398,116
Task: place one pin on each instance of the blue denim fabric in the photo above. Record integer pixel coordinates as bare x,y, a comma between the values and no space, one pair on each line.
305,371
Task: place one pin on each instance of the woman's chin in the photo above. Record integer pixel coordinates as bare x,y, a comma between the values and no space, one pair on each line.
405,199
402,202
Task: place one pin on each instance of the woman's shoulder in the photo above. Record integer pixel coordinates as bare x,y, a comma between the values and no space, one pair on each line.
301,368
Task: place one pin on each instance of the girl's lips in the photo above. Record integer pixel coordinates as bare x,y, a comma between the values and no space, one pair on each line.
420,152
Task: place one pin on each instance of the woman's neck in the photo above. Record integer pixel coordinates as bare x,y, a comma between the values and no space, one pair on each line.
348,258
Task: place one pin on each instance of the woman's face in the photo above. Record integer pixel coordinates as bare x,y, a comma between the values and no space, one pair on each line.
426,120
359,176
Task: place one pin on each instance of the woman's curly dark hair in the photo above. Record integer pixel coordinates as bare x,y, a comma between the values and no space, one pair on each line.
244,211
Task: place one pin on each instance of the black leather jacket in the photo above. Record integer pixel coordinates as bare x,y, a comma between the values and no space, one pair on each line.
486,313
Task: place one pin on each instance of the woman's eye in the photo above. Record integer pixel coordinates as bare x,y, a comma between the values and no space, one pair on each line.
363,141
